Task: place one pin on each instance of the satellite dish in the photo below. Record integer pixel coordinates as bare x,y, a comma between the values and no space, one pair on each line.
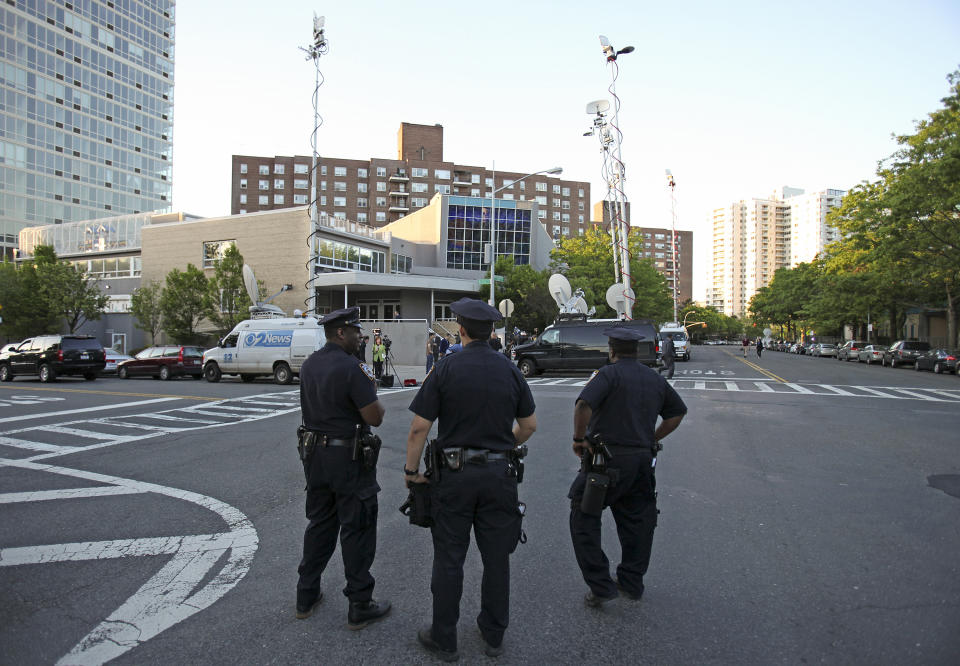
617,297
579,305
559,288
598,106
250,282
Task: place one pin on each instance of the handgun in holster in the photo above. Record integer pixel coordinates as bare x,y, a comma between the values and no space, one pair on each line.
598,481
430,461
517,455
417,505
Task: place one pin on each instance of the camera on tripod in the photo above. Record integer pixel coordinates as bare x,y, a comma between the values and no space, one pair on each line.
384,338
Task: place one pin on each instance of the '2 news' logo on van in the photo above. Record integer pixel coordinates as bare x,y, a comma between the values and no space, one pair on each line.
268,339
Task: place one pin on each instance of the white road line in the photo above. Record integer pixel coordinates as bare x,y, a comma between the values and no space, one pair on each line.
700,385
77,432
172,594
763,388
835,389
955,394
183,419
876,392
732,386
798,388
64,493
33,446
43,415
240,409
919,395
553,382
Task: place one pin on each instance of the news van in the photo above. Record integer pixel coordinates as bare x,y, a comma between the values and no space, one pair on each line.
263,347
681,341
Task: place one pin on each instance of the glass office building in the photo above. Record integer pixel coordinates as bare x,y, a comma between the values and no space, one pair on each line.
86,111
468,232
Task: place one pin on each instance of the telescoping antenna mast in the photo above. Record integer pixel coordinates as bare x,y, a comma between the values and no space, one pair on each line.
672,184
615,176
318,48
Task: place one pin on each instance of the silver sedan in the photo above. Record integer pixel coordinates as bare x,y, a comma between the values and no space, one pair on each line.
871,354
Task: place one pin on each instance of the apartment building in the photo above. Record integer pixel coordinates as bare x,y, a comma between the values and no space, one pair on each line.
86,118
657,247
753,238
379,191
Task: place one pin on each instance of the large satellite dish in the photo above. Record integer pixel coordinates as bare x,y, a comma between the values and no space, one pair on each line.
250,282
559,288
259,309
599,106
579,305
617,297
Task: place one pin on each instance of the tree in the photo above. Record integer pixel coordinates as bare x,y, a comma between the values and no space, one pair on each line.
527,288
75,295
228,296
184,304
146,309
587,261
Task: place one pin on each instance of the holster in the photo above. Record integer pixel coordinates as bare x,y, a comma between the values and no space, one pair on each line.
431,467
417,505
369,449
453,458
306,443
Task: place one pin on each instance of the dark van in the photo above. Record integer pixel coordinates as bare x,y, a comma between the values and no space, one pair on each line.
576,343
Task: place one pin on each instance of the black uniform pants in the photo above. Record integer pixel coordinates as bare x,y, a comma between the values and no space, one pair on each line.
633,502
483,497
341,500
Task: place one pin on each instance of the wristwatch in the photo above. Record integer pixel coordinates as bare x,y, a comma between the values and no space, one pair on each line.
410,472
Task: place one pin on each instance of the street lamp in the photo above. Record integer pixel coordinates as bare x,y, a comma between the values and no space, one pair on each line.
555,171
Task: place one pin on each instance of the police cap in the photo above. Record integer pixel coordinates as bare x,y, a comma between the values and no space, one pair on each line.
471,308
623,333
344,317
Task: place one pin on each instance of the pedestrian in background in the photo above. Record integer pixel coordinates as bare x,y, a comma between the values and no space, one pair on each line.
338,400
495,343
362,349
484,408
744,344
379,356
667,354
619,406
430,357
759,347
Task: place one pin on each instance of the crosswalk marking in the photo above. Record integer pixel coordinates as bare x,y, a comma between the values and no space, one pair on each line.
763,388
798,388
919,395
837,390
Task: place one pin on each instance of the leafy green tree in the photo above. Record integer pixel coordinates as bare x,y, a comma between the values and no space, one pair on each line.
228,296
184,304
527,288
146,308
74,294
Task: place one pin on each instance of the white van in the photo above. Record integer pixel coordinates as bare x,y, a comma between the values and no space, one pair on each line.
258,347
681,341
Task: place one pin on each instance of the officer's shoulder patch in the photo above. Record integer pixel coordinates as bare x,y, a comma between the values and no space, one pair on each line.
595,373
368,371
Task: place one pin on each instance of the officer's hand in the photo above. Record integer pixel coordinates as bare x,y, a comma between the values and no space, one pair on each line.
579,448
419,478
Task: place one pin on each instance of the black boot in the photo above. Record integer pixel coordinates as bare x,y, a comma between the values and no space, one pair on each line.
362,613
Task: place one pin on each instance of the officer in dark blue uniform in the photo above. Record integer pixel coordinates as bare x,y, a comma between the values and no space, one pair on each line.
619,406
338,401
477,395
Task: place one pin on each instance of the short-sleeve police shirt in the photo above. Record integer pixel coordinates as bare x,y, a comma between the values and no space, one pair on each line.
626,397
334,387
476,394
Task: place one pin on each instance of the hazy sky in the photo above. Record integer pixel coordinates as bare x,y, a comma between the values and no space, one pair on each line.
736,98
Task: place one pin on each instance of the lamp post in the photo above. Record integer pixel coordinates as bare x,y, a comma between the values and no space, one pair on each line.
555,171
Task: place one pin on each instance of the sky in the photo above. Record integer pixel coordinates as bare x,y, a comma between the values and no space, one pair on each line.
736,98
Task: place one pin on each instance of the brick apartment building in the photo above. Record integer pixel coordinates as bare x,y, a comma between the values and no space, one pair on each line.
379,191
656,246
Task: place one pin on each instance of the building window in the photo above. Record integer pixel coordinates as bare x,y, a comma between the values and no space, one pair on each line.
243,211
580,193
278,183
339,171
299,199
300,183
362,218
419,187
475,192
441,174
541,214
565,191
381,186
361,202
381,201
468,232
556,215
475,178
556,189
419,172
437,187
361,187
263,200
381,216
323,185
542,200
323,200
580,220
243,183
340,202
565,205
323,169
556,202
278,169
381,172
489,182
301,168
579,205
277,199
361,172
400,263
214,251
339,186
419,202
264,170
264,184
541,187
243,198
243,167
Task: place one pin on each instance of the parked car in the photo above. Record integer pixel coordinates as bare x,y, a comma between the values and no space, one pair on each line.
871,354
113,360
48,356
165,362
850,349
904,351
826,349
938,360
814,349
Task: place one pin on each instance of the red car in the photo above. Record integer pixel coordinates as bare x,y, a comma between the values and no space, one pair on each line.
165,362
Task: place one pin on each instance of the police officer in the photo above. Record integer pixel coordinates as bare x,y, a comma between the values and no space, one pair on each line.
619,406
667,354
337,394
476,394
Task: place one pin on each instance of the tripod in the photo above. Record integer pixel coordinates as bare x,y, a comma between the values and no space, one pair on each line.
387,366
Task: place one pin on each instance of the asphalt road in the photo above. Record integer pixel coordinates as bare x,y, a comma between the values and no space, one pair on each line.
810,512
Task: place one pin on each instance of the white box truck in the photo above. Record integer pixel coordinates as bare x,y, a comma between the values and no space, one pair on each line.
681,341
259,347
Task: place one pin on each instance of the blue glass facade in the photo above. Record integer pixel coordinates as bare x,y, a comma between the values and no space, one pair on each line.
86,110
468,232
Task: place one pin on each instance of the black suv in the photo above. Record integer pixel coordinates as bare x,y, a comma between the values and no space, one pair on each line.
904,351
574,343
50,355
